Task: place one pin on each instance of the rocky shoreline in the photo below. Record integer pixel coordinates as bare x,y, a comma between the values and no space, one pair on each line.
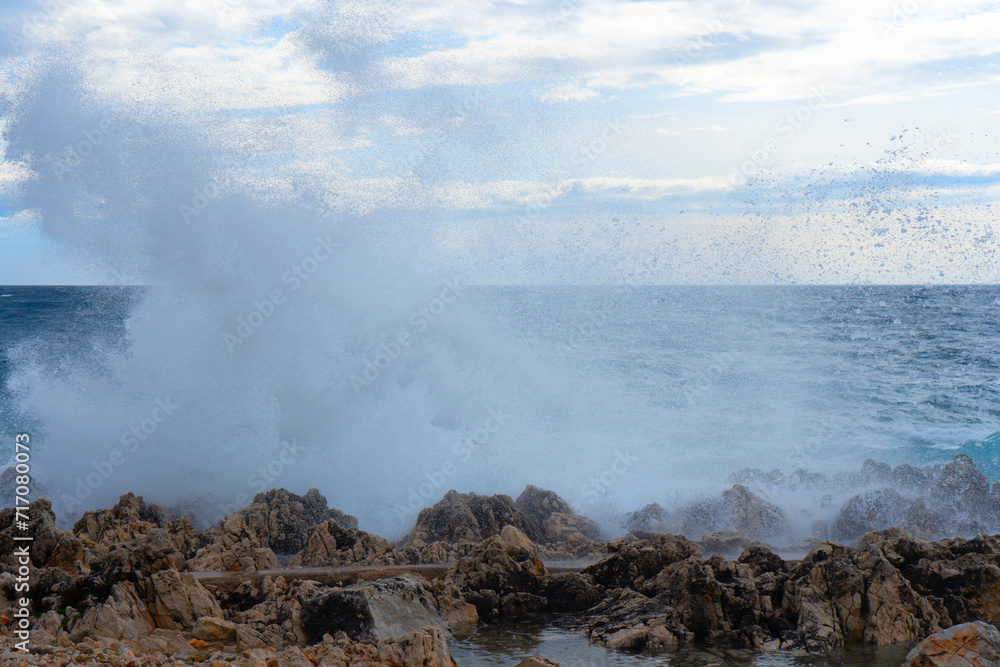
130,585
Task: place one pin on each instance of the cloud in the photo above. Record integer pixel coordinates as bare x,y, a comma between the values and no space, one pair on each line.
566,92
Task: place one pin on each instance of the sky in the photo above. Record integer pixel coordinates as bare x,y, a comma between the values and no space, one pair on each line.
576,142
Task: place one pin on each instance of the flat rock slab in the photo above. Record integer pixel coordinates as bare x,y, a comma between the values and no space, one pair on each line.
975,644
372,611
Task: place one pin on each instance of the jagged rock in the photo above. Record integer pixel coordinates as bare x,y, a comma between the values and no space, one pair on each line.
123,616
467,516
537,662
280,519
330,543
570,592
215,629
513,537
493,571
371,611
49,547
881,509
975,644
739,509
177,600
272,607
237,547
426,647
649,518
726,542
640,560
553,517
127,520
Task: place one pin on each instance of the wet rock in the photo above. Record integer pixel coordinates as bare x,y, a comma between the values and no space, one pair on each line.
330,543
648,518
49,547
570,592
738,509
880,509
974,644
467,516
725,542
537,662
371,611
553,517
511,536
637,561
494,570
281,519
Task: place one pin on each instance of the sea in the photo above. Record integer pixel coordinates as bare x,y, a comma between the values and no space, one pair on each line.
678,386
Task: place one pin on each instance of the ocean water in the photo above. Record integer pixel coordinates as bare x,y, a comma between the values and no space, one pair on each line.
656,393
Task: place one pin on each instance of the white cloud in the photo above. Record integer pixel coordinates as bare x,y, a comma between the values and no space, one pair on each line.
566,92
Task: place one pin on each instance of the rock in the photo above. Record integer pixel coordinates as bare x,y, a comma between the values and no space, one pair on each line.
426,647
640,560
126,521
494,570
739,509
467,516
553,517
214,629
330,543
537,662
650,518
160,641
237,547
880,509
372,611
726,542
561,526
123,616
975,644
281,519
570,592
178,600
511,536
50,546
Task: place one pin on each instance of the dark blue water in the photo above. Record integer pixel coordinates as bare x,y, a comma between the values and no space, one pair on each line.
46,328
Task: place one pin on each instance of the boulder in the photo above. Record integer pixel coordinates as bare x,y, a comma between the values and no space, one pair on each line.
236,547
177,600
281,519
426,647
215,629
330,543
49,547
648,518
123,615
467,516
739,509
493,571
553,517
372,611
637,561
128,519
974,644
726,542
881,509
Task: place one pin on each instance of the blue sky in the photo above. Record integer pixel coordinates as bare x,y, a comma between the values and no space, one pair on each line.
542,142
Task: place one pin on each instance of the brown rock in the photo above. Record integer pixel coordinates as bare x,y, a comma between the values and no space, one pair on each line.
975,644
178,600
330,543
